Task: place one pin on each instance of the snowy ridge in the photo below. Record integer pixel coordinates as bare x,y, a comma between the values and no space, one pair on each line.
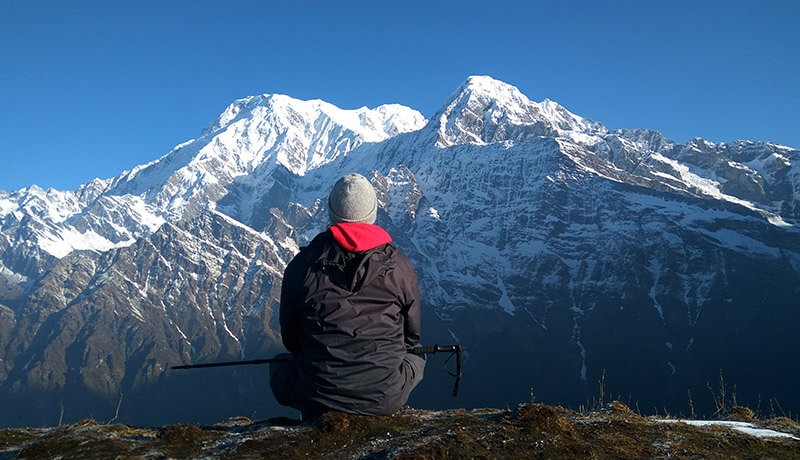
372,125
252,137
52,205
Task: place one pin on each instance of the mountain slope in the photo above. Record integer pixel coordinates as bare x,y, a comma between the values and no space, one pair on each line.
571,251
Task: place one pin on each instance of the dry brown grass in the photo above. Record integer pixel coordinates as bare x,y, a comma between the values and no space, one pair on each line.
530,431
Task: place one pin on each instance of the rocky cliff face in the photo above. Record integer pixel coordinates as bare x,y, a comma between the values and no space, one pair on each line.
558,252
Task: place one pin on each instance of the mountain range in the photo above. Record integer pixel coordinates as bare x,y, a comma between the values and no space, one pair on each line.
567,259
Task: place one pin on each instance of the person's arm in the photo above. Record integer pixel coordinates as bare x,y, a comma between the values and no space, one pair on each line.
412,310
289,312
413,325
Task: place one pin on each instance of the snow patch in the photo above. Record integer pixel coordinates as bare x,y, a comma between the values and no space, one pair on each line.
137,313
734,239
505,301
66,240
7,206
576,334
742,427
656,269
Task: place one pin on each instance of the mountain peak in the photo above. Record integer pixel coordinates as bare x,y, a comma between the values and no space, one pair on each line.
486,85
484,110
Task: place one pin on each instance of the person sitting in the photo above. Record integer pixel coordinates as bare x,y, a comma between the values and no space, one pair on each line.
349,315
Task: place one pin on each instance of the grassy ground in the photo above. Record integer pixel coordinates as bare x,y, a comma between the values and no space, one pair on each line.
530,431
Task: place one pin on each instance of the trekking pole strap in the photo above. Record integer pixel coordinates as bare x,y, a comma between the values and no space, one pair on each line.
458,372
454,349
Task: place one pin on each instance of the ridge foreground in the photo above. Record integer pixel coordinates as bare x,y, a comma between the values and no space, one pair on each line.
532,430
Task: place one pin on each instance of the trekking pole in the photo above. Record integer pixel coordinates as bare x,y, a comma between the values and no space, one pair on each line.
231,363
421,350
454,350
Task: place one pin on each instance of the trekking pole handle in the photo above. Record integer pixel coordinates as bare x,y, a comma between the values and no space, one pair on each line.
436,349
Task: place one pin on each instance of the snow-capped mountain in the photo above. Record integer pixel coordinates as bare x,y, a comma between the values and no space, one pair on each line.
554,249
251,138
484,111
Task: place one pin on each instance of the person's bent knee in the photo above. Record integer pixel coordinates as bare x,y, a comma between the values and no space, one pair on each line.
416,368
283,379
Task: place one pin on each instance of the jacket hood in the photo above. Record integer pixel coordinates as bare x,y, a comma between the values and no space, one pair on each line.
359,236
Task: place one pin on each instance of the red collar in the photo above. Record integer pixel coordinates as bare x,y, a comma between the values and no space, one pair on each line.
358,236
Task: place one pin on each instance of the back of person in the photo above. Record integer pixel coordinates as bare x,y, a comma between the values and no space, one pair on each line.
350,313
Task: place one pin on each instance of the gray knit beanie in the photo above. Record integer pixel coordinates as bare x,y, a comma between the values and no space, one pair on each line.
353,200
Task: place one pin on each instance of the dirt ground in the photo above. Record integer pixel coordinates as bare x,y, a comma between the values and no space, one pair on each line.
530,431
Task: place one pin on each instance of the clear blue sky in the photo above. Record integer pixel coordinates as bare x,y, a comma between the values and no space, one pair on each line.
91,88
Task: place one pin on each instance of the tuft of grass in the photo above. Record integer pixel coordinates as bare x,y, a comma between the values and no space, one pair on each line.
741,414
783,424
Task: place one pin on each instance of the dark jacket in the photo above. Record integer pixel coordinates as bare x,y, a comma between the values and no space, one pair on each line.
350,310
